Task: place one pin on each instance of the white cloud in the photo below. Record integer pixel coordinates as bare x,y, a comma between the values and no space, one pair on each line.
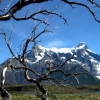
56,43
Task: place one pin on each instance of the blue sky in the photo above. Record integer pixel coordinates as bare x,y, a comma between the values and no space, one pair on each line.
82,28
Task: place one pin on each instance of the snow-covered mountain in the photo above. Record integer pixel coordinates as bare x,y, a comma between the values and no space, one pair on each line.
82,56
88,59
84,61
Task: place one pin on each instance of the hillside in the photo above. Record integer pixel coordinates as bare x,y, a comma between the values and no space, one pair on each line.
84,61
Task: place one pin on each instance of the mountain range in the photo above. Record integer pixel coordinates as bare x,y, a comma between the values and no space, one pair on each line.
84,61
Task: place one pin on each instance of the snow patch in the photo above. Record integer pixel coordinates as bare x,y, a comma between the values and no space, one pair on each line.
98,77
91,51
60,50
63,58
76,61
56,50
86,53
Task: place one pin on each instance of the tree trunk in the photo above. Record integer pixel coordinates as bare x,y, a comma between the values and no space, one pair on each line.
44,92
44,97
4,94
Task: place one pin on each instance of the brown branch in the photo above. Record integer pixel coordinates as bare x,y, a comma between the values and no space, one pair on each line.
60,65
84,5
9,65
38,75
24,49
4,72
45,12
17,7
93,2
5,94
7,40
59,70
34,80
67,75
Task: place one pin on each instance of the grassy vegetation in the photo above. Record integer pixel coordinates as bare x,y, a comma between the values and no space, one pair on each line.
56,93
74,97
57,97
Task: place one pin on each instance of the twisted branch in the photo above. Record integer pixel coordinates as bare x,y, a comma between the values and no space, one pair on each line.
19,5
84,5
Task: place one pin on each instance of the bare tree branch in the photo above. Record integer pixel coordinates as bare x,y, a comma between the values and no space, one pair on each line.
5,94
93,2
55,67
45,12
19,5
7,40
84,5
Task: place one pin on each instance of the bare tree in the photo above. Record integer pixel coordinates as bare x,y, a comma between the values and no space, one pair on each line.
22,58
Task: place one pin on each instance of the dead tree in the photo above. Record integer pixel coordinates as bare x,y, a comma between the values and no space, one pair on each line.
21,57
5,94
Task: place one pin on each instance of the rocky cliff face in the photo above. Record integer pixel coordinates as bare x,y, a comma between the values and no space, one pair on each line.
84,61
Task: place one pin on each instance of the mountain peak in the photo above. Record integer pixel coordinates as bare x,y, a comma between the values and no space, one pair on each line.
82,45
